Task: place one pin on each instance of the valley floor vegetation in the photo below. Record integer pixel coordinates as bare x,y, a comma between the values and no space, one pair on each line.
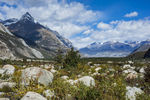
71,78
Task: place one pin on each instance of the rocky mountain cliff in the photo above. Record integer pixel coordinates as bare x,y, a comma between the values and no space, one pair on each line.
141,51
37,36
12,47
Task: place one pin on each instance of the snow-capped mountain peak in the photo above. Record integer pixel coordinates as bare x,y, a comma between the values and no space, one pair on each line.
27,17
110,48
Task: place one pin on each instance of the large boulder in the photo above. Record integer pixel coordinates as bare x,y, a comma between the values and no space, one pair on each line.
132,92
33,96
7,69
34,73
87,80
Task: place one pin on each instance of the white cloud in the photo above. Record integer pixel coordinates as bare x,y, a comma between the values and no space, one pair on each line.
66,18
87,32
81,42
103,26
134,30
132,14
124,30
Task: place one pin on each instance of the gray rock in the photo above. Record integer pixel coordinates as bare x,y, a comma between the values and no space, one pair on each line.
65,77
69,97
87,80
8,84
8,69
4,99
33,96
132,92
48,93
34,73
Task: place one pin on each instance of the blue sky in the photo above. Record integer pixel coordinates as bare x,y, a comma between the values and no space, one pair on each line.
86,21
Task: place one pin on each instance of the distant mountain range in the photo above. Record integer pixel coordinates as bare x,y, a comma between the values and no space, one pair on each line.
27,38
30,34
114,48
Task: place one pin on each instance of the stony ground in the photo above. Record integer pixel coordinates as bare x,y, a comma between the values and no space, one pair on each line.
91,81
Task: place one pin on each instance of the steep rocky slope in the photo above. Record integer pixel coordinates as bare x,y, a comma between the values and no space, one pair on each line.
38,36
12,47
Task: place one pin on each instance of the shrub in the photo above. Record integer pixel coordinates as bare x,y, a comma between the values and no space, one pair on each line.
72,59
59,57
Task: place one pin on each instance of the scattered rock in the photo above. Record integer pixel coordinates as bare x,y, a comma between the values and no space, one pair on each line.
65,77
49,94
53,71
142,70
131,76
96,65
126,66
7,69
7,84
97,69
72,82
130,62
2,71
33,96
89,63
94,74
131,92
69,97
34,73
87,80
4,99
129,71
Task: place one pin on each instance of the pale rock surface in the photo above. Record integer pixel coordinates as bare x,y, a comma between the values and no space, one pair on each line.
97,69
131,76
53,71
69,97
33,96
142,70
65,77
129,71
34,73
4,99
8,69
86,80
131,92
7,84
49,93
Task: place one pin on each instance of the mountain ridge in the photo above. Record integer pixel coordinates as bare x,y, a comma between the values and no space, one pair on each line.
37,36
111,48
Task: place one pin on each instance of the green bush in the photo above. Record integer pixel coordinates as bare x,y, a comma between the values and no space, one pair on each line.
72,59
59,57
